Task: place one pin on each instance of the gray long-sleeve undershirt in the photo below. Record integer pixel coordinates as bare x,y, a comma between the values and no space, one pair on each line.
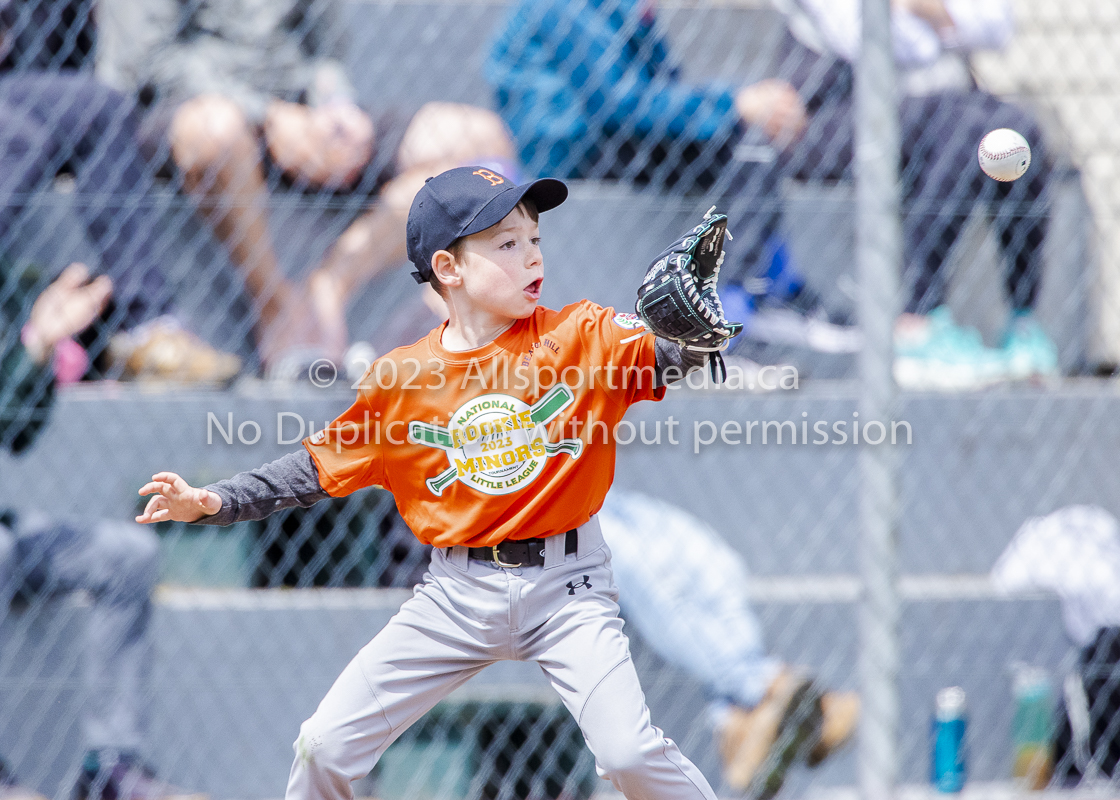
293,480
671,355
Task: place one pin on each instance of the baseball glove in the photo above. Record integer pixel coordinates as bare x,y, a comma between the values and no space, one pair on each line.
678,299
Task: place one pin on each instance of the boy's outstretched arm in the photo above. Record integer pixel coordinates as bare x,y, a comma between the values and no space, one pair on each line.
292,480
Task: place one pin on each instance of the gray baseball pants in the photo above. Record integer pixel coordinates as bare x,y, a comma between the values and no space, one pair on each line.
468,614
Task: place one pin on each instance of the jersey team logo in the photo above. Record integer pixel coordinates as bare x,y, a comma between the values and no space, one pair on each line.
628,321
495,443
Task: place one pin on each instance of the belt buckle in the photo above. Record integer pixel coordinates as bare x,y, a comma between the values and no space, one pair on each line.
499,562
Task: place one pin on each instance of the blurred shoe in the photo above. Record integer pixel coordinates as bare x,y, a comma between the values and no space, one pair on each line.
744,373
10,788
162,350
800,320
784,325
1030,353
839,718
759,745
358,358
937,354
124,777
70,362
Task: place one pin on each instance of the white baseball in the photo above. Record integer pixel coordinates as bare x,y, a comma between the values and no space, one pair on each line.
1004,154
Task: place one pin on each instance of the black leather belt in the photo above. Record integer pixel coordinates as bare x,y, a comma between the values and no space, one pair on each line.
521,552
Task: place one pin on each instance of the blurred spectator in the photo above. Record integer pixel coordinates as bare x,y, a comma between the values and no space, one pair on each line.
943,117
56,117
1075,552
685,590
590,90
1063,58
228,77
115,562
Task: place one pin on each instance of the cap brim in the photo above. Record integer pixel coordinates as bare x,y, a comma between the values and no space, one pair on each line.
546,194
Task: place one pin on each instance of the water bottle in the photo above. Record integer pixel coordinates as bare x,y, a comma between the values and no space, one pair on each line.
1030,728
948,759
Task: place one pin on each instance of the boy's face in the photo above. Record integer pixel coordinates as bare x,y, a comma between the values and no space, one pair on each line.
502,268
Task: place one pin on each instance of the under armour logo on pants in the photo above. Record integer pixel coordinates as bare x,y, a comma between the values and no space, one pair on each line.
572,585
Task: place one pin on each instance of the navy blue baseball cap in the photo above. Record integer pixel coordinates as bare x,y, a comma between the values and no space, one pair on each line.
467,200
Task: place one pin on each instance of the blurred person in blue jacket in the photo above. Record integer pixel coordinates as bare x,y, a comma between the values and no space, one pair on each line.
590,90
116,562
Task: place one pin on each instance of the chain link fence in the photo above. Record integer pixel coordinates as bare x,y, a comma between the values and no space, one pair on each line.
241,171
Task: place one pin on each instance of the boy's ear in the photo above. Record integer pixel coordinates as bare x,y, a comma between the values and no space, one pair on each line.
446,268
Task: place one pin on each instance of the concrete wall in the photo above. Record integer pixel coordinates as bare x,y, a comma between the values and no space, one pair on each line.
235,672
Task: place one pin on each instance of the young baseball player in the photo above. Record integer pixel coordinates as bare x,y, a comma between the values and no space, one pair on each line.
495,437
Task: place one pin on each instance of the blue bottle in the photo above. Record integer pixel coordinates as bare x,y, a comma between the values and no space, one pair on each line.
948,759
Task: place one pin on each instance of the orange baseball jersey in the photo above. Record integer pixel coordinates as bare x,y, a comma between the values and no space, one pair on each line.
508,441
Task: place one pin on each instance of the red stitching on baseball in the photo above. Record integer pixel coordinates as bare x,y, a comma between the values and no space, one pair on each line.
1017,149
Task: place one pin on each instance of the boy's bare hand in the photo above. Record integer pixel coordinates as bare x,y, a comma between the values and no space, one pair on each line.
176,500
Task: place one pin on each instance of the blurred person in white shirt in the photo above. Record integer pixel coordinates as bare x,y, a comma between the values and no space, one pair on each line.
943,116
1074,552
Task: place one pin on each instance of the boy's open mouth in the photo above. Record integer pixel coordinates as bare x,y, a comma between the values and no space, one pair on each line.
534,289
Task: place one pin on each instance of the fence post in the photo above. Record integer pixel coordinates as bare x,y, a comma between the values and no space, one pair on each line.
878,256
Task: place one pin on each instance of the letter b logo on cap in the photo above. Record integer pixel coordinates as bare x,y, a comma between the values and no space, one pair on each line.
494,178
